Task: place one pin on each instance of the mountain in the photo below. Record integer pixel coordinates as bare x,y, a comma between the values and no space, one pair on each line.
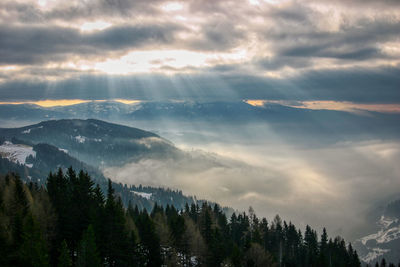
34,151
385,241
95,142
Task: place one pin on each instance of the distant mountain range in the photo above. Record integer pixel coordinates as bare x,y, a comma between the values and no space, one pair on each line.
384,242
35,150
287,120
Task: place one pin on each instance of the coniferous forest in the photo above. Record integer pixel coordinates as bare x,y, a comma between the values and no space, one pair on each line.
71,223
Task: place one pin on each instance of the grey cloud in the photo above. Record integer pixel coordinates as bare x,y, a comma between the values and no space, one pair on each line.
346,53
357,41
94,9
38,44
120,37
278,62
216,36
361,3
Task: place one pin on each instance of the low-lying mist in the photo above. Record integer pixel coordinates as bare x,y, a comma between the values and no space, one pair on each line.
333,184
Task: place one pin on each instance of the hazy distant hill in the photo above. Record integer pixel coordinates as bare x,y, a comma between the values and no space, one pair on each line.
28,112
288,120
105,110
95,142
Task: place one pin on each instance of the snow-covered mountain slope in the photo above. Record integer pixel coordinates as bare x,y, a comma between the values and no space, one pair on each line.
384,243
17,153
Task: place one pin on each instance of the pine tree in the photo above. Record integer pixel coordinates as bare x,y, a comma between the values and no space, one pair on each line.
323,259
64,260
33,251
206,224
115,243
88,255
311,245
19,210
149,239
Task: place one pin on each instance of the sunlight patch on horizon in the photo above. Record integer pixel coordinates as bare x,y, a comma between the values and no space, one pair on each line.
68,102
128,101
256,102
329,105
48,102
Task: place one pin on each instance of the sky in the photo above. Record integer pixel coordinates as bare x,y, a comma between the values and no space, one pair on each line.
338,51
337,55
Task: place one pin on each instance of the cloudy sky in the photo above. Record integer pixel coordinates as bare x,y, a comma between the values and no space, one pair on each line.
200,49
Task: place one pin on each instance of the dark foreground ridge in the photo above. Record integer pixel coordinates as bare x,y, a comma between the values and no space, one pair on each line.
71,223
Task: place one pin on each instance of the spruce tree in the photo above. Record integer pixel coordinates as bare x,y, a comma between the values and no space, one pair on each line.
88,255
33,250
64,260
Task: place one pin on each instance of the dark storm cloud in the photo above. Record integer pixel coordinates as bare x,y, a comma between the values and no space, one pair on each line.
39,44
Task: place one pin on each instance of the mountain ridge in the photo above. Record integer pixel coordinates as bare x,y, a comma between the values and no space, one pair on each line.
119,144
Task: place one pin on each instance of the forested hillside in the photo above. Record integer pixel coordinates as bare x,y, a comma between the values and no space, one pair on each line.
46,158
71,223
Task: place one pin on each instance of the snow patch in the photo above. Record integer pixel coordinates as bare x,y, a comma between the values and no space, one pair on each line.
375,253
385,222
80,139
29,130
17,153
142,194
63,150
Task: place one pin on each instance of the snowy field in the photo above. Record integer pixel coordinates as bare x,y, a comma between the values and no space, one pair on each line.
16,152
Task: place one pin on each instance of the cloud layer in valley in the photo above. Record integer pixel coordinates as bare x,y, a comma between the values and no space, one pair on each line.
344,180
